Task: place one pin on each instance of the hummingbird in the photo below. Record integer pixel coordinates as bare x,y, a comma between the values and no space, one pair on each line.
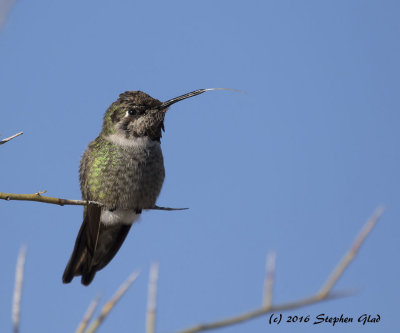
123,171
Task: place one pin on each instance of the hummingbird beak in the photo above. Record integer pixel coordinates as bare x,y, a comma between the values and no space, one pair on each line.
168,103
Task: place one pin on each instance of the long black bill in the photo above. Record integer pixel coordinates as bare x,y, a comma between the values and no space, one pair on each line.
168,103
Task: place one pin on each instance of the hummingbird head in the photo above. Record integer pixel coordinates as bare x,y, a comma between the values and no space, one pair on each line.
136,114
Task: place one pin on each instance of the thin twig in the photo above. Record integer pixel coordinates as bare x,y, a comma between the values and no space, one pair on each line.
19,279
257,313
152,298
10,138
111,303
350,255
269,279
38,197
5,7
88,315
322,295
166,208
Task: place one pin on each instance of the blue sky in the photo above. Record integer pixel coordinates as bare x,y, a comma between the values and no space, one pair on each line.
296,164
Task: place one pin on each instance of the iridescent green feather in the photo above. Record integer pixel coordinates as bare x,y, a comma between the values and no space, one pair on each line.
104,158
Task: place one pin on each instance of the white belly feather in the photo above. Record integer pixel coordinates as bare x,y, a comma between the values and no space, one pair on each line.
118,216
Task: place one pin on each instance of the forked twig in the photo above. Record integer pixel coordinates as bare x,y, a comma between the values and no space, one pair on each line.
111,303
322,295
88,315
38,197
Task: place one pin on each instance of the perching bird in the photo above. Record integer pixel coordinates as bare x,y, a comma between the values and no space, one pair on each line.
123,170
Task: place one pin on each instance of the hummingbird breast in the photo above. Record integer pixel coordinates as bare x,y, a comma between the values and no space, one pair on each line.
122,173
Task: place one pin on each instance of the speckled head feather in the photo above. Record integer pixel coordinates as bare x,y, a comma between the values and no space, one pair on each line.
135,114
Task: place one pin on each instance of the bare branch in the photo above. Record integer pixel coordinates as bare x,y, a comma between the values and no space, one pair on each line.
88,315
269,279
5,7
257,313
63,202
152,298
322,295
111,303
11,137
350,255
19,279
39,198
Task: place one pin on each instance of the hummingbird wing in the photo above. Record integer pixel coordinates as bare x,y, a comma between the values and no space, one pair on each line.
111,238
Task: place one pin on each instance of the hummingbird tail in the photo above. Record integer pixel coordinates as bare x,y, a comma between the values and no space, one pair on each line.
81,259
95,246
79,263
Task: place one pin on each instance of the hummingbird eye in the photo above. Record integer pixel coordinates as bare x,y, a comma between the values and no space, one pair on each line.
135,111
